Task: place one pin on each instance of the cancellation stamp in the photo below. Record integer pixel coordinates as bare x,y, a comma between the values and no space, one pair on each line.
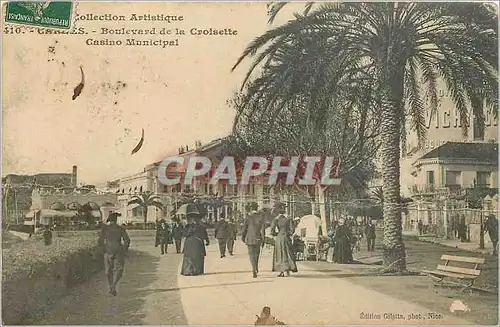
48,14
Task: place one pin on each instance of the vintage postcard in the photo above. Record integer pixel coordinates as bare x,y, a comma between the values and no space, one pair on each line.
249,163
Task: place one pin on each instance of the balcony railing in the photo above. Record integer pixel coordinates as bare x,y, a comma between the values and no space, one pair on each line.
433,189
447,189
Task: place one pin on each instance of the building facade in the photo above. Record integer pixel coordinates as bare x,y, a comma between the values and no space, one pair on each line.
238,199
17,191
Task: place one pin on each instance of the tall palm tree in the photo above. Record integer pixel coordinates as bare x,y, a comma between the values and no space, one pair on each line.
401,46
146,200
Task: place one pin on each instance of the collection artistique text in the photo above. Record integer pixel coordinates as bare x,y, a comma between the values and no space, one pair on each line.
132,17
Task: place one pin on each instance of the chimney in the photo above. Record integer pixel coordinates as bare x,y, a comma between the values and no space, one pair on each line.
74,176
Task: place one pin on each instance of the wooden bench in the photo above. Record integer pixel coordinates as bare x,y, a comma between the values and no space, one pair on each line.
446,270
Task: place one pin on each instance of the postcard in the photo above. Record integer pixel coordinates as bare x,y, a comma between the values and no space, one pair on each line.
249,163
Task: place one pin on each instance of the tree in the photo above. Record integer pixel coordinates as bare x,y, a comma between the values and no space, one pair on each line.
346,128
146,200
402,46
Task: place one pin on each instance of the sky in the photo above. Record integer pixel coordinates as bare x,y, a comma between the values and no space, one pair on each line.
178,95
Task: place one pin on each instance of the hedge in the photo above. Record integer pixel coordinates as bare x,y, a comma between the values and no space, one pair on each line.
35,275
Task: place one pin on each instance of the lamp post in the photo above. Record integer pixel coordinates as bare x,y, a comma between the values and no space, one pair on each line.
481,232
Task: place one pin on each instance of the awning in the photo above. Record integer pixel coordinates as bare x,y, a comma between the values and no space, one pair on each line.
56,213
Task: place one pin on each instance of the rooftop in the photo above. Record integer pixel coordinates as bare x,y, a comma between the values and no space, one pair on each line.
484,152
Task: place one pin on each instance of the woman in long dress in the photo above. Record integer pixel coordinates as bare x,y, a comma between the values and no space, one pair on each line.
342,252
283,256
193,263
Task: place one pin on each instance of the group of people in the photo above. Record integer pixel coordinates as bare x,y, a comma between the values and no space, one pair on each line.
343,240
225,233
115,242
166,234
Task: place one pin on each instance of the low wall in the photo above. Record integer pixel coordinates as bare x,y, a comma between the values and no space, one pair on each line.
35,276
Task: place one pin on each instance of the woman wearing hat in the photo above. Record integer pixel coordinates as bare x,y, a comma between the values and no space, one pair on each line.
193,263
283,256
342,252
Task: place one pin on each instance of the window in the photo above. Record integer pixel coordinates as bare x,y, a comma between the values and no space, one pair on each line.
453,178
165,188
483,178
224,189
235,189
206,188
137,211
430,177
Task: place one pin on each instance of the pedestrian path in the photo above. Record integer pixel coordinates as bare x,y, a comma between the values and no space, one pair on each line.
227,294
466,246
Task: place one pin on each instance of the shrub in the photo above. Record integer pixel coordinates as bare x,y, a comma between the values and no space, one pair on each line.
35,275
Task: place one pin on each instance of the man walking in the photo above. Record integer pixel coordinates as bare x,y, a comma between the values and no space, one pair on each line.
177,232
370,236
222,234
163,236
253,235
231,236
110,239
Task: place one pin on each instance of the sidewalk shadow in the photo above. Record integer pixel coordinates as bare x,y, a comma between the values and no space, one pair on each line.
90,303
228,272
175,289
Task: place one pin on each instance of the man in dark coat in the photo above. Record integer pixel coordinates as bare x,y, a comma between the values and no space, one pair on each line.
253,234
232,231
370,236
177,232
47,235
110,240
491,226
163,236
222,234
420,227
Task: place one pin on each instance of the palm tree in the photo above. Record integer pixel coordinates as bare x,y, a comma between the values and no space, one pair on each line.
146,200
377,195
401,47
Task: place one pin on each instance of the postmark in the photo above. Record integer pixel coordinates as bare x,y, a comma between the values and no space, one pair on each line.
58,15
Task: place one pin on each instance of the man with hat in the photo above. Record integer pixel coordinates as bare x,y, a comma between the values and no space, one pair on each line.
110,240
253,235
232,231
222,235
491,226
163,236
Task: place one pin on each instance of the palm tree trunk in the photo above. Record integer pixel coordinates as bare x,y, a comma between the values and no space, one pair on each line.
145,212
322,208
394,256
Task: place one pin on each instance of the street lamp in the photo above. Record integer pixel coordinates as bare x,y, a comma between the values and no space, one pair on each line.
481,232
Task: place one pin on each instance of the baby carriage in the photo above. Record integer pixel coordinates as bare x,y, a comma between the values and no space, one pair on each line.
298,247
356,242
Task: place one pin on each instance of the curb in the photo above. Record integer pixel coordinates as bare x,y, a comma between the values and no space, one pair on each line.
475,250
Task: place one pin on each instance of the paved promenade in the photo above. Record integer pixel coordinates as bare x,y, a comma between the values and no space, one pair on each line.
228,294
152,292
